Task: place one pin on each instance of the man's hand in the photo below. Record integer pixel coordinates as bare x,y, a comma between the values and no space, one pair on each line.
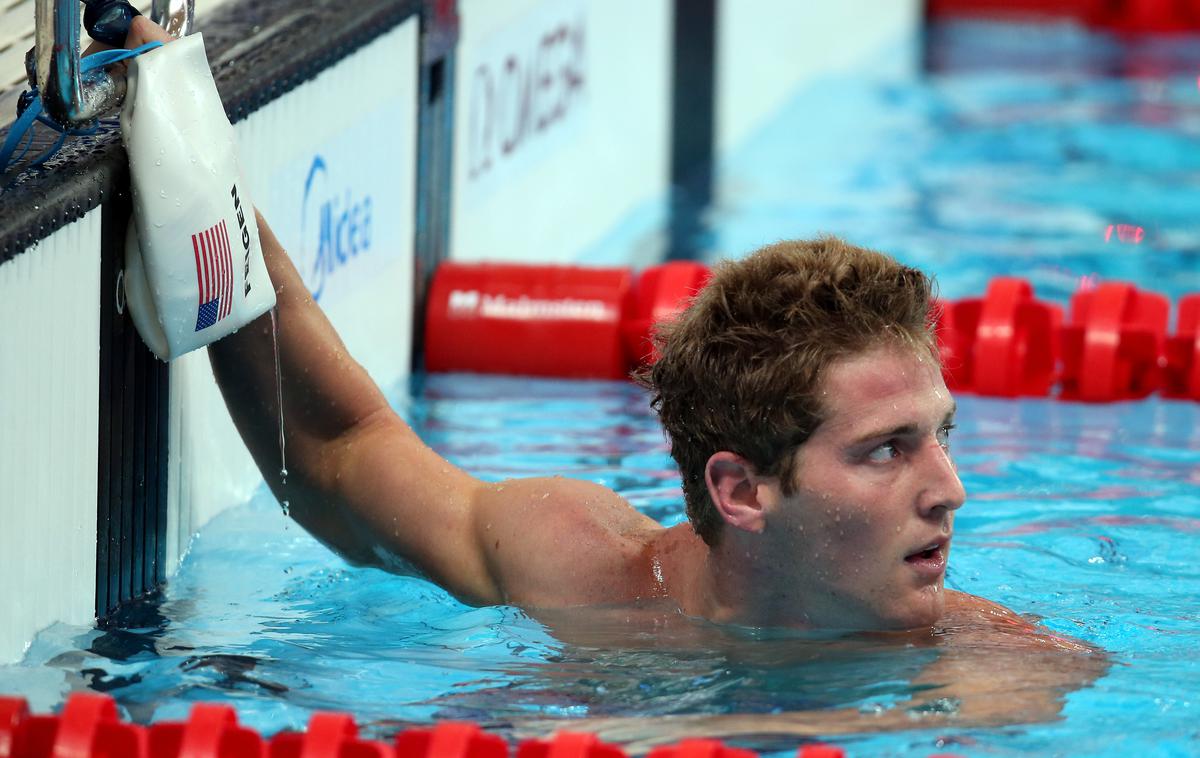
141,31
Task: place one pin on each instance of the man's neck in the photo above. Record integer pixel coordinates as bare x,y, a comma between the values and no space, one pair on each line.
728,583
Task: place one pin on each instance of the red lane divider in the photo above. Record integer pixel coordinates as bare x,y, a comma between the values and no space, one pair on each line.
13,711
1118,15
563,321
536,320
820,751
570,321
569,745
1003,344
1182,371
211,731
450,739
1114,343
698,748
659,293
329,735
89,727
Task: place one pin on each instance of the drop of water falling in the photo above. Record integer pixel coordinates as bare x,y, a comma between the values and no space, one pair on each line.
162,193
286,508
158,161
283,472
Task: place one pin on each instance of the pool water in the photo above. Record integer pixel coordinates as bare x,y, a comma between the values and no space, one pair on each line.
1013,157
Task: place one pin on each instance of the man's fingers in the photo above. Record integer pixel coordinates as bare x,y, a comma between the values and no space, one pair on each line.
143,30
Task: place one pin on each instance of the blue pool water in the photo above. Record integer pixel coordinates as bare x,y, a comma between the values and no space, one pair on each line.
1013,157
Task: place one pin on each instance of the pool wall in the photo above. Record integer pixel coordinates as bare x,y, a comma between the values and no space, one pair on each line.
403,133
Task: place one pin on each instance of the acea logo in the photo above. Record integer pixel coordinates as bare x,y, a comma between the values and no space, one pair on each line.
335,226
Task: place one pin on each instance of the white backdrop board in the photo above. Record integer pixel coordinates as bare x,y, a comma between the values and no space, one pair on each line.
766,49
561,123
49,433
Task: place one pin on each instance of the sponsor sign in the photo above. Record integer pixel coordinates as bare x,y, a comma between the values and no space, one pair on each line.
474,304
525,93
345,206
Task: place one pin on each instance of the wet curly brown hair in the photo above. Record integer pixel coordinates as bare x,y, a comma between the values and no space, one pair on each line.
739,369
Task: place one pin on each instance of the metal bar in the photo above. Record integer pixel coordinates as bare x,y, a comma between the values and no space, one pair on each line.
693,123
435,129
137,584
129,341
69,98
176,16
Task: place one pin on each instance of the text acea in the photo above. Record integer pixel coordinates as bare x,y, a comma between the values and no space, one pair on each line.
335,223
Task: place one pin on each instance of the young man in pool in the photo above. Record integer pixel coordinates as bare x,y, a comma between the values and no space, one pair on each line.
805,406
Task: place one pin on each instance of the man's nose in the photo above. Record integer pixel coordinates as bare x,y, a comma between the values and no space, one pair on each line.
941,487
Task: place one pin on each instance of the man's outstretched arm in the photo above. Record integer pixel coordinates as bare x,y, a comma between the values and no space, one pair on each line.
358,478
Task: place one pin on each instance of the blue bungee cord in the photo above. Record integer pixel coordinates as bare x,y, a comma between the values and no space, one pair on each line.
29,108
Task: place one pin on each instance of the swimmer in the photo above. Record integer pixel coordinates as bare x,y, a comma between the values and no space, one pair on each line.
804,403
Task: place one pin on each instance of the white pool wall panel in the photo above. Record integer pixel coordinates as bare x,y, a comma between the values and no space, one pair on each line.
562,116
332,166
49,432
766,49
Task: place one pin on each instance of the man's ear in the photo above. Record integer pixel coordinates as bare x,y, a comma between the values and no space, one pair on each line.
733,487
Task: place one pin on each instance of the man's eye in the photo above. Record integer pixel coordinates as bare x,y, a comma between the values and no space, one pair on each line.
943,436
884,453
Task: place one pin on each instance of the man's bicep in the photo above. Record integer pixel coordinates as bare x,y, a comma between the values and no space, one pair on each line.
554,541
410,506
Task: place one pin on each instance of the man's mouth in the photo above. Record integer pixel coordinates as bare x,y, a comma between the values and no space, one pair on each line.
929,559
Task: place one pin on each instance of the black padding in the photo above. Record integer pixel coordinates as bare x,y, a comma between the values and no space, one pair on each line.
693,123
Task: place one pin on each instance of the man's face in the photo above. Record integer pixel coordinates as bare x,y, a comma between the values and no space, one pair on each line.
867,528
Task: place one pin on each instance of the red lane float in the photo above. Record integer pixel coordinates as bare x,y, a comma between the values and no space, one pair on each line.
450,739
90,728
13,711
1119,15
1004,344
658,294
211,731
1181,375
329,735
569,745
1112,346
575,322
698,748
562,321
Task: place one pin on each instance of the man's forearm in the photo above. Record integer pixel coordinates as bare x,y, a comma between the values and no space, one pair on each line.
326,395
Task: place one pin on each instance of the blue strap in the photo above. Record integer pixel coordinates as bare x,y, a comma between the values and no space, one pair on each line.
33,112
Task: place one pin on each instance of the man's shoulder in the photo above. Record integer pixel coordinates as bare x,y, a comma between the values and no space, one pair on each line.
558,541
974,618
965,604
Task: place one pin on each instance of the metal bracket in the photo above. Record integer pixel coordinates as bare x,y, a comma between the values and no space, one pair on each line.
72,99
